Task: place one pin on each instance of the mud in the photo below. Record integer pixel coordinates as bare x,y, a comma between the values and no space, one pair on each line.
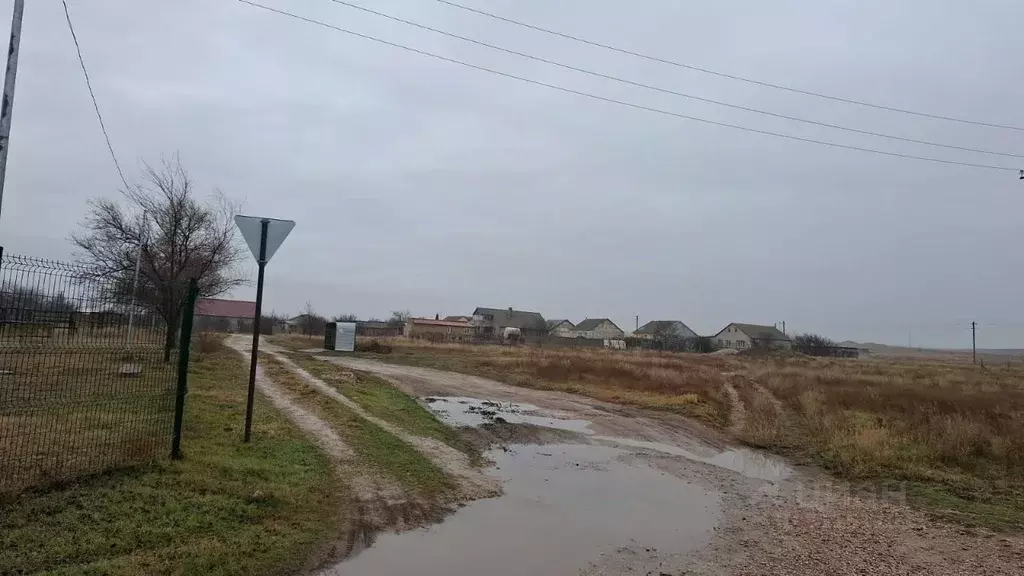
565,507
463,411
472,483
749,463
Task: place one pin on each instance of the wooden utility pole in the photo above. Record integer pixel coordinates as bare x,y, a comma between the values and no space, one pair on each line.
7,103
974,342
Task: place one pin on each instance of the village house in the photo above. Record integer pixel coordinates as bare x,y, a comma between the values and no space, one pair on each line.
665,331
216,315
378,329
460,318
438,330
598,329
745,336
490,323
561,328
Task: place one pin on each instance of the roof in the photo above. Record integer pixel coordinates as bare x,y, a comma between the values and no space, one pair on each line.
458,318
759,332
514,318
556,322
374,324
659,327
591,323
225,308
432,322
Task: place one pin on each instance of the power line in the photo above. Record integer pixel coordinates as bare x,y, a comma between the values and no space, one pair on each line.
95,105
623,102
723,74
673,92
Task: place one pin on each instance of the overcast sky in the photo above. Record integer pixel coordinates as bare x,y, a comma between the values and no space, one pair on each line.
424,185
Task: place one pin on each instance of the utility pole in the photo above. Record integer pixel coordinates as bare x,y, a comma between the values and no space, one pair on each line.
7,103
637,321
974,342
783,326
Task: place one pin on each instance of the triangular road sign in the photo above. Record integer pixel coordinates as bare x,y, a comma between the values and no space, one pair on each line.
251,228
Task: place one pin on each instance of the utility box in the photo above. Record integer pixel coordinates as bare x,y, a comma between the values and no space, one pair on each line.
340,336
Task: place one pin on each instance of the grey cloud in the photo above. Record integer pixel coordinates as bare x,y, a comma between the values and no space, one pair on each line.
423,185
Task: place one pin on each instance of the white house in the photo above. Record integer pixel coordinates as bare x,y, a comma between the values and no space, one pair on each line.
598,328
745,336
561,328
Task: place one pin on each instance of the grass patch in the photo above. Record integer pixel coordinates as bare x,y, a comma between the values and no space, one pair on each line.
378,448
383,400
269,507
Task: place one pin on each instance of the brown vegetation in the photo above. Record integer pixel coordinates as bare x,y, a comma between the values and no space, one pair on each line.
952,435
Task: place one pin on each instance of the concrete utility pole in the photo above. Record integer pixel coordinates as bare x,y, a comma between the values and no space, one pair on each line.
637,321
974,342
7,103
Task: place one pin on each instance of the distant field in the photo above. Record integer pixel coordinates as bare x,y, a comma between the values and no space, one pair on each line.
949,432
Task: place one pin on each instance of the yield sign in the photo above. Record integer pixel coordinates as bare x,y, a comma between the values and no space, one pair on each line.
251,228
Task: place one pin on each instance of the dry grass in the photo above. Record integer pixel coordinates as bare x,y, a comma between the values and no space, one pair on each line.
66,410
951,434
688,384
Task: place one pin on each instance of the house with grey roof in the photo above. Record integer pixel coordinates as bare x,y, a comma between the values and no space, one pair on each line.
598,328
561,327
745,336
490,323
665,331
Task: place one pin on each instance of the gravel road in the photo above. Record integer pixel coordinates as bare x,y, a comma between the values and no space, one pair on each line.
766,517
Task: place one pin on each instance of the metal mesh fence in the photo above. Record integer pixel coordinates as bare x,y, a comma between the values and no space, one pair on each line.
84,384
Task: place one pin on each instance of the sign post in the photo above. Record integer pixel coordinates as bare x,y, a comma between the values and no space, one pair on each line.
264,236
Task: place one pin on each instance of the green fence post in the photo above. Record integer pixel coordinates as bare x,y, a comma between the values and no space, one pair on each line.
184,346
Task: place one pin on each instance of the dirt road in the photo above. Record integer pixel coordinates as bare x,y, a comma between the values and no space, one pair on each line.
624,491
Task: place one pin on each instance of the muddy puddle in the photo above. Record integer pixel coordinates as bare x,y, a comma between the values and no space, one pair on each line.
459,411
566,507
746,462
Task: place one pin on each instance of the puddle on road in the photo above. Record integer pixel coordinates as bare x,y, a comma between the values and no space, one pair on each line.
747,462
564,506
459,411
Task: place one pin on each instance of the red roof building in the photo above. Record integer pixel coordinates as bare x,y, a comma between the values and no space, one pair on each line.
217,308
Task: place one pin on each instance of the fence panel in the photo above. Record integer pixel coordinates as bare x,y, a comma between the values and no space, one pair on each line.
84,385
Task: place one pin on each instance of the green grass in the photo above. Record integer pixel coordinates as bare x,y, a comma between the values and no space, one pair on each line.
376,447
270,507
383,400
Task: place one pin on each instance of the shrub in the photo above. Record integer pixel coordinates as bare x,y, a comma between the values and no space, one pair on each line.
702,345
207,343
813,344
373,346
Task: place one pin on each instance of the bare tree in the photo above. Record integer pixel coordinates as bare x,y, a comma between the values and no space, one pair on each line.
814,344
399,317
181,237
346,318
312,323
665,332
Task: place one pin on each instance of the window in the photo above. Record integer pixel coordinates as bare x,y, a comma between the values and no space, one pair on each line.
741,343
719,341
449,329
489,317
728,343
